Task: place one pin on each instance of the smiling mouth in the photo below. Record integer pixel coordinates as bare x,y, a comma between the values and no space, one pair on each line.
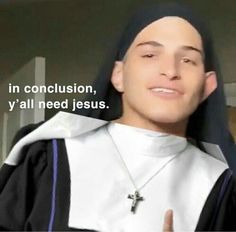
165,92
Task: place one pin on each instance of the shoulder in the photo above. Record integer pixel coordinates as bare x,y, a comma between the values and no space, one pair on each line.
206,158
92,139
22,132
220,208
60,126
31,152
208,168
34,158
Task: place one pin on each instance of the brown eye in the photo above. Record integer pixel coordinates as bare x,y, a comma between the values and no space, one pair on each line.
188,61
148,56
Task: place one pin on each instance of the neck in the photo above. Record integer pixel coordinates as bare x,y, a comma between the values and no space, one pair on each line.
176,128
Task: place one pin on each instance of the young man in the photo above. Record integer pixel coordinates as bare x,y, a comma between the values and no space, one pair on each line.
128,174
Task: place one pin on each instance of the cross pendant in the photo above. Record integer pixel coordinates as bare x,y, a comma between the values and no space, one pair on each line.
136,198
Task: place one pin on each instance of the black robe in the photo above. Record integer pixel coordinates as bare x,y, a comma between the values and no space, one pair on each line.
27,201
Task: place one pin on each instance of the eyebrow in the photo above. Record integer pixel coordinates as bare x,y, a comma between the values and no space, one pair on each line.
191,48
184,47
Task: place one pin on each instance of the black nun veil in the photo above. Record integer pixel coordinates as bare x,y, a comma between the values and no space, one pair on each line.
209,123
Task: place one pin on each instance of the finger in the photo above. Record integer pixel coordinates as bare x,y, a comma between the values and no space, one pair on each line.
168,221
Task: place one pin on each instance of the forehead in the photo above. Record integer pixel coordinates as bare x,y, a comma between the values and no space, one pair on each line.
170,30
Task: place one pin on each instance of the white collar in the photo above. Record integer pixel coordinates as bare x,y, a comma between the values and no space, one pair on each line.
67,125
62,125
147,143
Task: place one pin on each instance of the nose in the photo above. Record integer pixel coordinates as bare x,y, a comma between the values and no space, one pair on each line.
168,68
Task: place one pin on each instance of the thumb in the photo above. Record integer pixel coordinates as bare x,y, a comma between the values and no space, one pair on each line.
168,221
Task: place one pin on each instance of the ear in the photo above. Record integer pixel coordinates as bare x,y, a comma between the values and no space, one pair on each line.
117,76
210,84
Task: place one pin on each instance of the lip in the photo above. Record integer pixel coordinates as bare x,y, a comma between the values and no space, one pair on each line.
166,91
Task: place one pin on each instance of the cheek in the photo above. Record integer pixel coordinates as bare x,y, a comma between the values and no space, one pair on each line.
193,78
195,91
135,78
139,73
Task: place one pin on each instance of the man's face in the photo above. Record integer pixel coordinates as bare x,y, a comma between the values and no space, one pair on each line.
162,77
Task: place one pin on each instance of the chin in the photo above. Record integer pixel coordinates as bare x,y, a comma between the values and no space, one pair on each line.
168,118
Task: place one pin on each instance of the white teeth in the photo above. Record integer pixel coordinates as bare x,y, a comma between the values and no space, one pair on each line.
163,90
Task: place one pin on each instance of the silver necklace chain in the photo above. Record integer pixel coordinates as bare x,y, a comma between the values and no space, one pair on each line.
136,196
